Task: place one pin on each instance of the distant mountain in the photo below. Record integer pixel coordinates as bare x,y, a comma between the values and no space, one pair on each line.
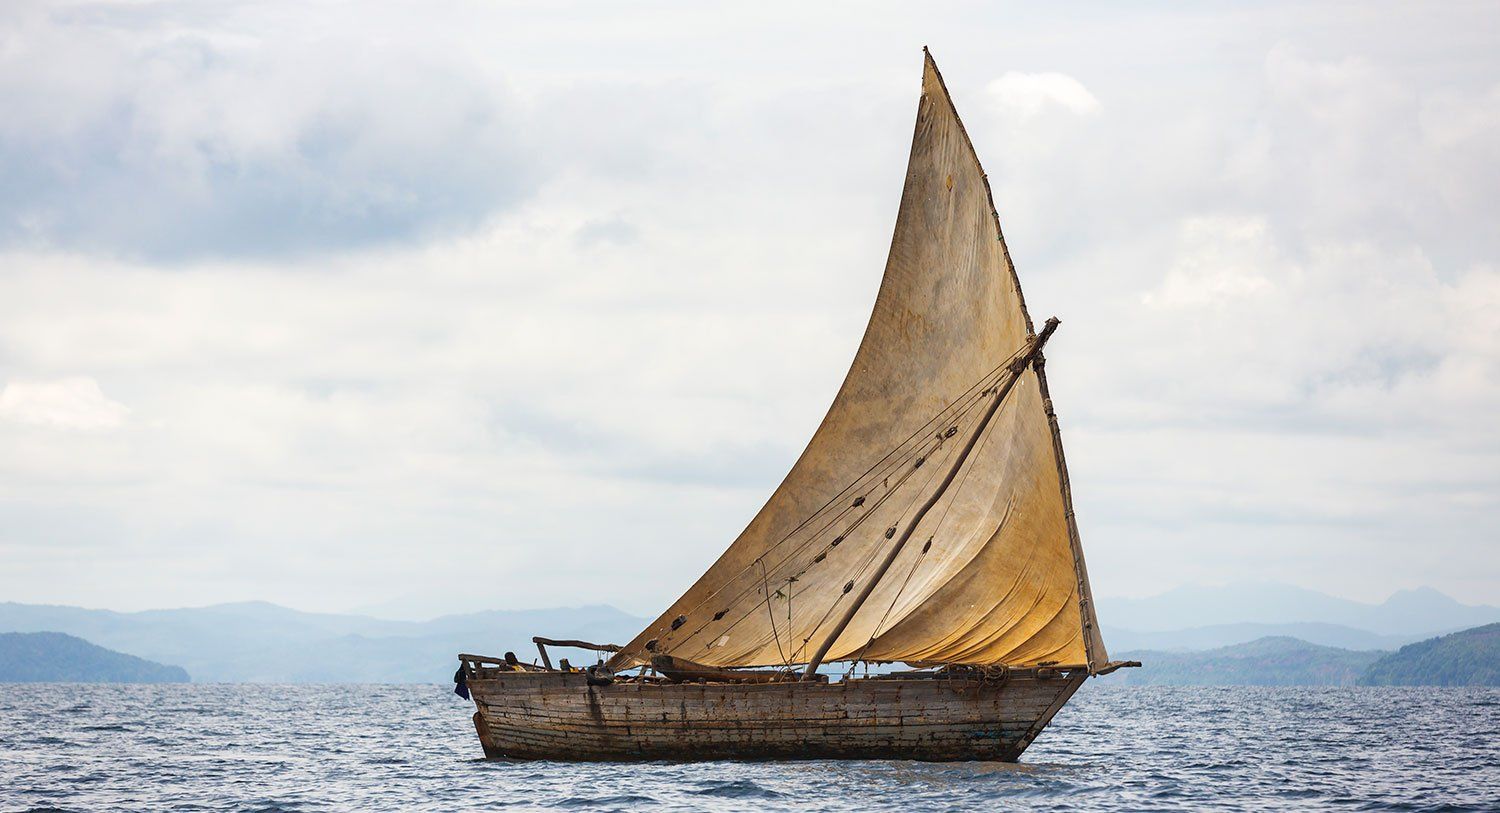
1275,661
1467,658
266,643
1222,635
261,642
424,606
1420,612
31,657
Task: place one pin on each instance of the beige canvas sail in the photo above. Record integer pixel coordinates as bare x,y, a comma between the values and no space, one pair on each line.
994,573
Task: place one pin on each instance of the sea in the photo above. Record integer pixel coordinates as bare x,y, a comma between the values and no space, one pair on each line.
269,748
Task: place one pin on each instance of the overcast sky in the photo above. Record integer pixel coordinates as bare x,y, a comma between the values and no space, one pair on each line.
465,305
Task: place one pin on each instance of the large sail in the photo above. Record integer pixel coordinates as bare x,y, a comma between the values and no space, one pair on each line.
994,573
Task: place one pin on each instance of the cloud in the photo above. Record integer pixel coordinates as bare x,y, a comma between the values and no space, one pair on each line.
1225,259
614,231
1022,96
64,403
243,132
420,292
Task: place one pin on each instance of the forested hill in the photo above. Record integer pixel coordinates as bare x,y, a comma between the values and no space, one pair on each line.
1467,658
29,657
1272,661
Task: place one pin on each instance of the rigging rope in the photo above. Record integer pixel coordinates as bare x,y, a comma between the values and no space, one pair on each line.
960,408
875,549
770,614
962,481
906,474
856,524
957,419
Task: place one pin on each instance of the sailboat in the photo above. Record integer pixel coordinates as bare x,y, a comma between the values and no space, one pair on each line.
928,525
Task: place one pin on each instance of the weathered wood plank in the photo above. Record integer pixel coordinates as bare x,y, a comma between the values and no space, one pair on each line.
535,715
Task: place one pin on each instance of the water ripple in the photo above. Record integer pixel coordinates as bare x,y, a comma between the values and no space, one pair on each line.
310,749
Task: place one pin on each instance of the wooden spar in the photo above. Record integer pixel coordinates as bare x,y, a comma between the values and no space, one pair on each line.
1016,369
473,663
681,669
543,643
1092,641
1114,665
539,640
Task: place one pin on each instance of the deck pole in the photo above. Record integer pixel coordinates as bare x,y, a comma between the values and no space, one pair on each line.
1016,368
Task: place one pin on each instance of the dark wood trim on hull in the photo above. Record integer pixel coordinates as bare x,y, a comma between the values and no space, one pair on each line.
559,716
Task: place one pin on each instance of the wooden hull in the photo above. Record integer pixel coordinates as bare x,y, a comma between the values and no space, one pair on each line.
559,716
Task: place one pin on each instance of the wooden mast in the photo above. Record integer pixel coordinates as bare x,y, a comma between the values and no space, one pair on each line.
1016,368
1093,643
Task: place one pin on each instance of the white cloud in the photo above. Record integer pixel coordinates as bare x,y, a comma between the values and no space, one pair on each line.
1274,258
1223,258
1022,96
65,403
240,131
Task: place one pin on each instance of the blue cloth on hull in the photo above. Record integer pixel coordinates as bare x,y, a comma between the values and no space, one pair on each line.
461,683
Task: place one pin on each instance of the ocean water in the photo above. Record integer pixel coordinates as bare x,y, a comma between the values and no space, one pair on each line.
334,748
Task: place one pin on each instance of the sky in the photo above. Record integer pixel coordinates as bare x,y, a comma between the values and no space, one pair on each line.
451,306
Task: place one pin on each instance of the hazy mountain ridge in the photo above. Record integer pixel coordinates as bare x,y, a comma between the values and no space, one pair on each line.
1215,636
1420,612
1272,661
39,657
261,642
1466,658
1271,634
